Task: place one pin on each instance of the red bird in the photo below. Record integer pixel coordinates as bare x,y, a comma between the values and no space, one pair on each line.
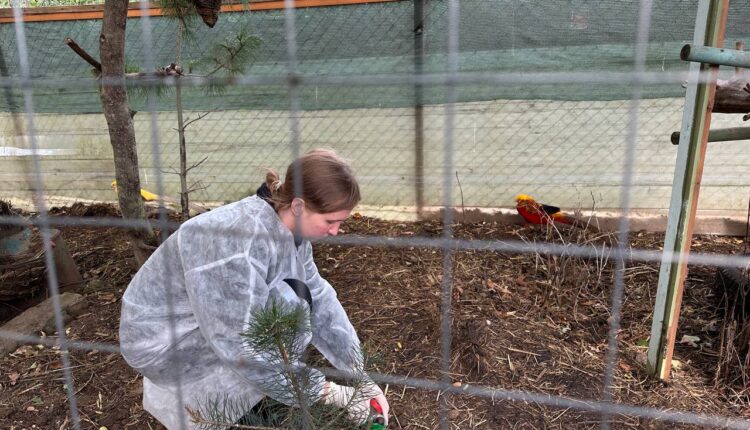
537,213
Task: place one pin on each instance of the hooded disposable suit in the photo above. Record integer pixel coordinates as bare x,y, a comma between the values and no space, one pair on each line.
213,273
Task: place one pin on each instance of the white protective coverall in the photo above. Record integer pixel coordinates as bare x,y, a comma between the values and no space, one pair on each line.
219,268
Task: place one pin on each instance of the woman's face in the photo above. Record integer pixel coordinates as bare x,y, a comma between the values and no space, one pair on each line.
316,225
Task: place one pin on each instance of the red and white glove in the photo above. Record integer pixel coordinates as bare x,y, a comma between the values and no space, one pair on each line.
357,403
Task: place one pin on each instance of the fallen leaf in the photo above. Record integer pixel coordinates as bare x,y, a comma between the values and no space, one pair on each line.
625,366
520,280
453,414
676,364
31,409
14,378
107,298
690,340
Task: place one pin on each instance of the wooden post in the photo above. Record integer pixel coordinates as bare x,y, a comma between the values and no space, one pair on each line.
740,46
696,121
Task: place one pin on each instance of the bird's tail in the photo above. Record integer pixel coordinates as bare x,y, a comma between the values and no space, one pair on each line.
564,218
572,221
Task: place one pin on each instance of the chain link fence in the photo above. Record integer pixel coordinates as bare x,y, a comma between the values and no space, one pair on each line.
537,101
562,142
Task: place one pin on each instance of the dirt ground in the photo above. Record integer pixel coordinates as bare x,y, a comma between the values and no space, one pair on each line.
521,321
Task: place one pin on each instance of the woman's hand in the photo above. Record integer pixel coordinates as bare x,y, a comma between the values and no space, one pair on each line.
356,402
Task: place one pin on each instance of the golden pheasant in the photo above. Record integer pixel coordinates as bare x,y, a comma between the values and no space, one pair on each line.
537,213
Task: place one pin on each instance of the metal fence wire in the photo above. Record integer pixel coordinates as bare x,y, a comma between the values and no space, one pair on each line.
560,140
573,100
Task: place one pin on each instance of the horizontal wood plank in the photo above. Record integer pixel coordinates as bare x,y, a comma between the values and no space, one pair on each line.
71,13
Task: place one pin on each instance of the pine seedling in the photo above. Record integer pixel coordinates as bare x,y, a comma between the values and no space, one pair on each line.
278,335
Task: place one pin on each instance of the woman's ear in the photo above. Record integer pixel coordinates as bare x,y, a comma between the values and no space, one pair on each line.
298,205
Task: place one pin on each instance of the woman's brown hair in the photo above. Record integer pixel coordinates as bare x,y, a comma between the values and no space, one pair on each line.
328,183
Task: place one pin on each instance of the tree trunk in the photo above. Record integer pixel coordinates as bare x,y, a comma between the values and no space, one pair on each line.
120,124
184,193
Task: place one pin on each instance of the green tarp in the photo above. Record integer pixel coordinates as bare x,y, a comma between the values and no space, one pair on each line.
377,38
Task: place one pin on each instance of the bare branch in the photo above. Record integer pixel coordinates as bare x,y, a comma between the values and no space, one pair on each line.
219,66
170,171
200,117
83,54
201,188
143,75
196,164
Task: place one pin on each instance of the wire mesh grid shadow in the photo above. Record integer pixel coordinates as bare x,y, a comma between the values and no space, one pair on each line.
441,105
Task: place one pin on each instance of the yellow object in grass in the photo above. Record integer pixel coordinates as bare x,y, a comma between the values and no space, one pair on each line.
146,194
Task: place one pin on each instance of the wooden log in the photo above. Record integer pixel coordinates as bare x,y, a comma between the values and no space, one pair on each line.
733,95
23,275
33,320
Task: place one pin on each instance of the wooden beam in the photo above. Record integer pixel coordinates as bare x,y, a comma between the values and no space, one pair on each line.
696,122
72,13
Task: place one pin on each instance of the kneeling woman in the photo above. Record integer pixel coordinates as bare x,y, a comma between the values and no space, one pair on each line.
220,267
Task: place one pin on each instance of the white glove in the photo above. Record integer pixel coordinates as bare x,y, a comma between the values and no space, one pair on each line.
374,392
357,404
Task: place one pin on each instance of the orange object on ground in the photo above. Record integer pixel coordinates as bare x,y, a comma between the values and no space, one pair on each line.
537,213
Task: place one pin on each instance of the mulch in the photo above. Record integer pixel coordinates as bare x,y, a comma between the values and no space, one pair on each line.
527,322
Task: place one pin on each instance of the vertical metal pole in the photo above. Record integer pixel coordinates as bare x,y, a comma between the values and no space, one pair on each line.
293,86
150,64
15,116
44,225
709,31
293,83
419,106
639,61
446,310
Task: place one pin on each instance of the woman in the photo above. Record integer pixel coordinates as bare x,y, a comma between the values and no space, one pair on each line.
219,268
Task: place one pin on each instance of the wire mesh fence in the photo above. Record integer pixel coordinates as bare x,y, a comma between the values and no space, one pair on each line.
547,106
560,141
